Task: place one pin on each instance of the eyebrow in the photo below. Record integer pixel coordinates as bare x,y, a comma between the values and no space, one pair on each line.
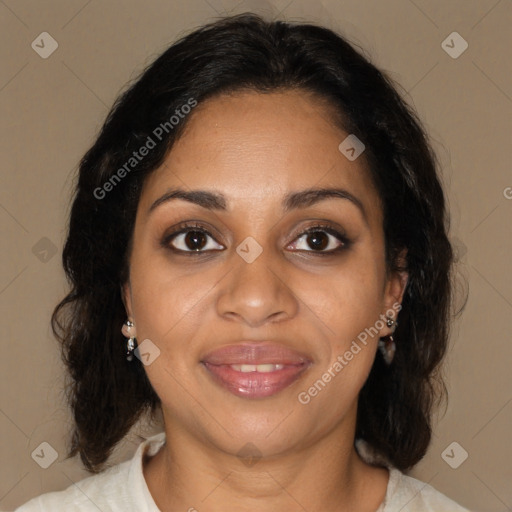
292,201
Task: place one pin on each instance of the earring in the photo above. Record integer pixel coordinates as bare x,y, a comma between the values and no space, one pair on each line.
387,348
131,342
387,344
390,323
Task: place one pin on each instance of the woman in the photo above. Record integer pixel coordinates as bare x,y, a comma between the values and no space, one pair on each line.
257,248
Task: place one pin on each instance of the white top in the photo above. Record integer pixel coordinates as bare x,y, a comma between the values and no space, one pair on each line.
122,488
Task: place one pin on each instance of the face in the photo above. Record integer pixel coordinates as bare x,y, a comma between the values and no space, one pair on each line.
254,290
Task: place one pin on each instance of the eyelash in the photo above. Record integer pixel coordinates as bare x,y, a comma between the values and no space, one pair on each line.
186,227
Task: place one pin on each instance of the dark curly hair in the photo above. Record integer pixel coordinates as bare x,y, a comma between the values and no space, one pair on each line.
107,395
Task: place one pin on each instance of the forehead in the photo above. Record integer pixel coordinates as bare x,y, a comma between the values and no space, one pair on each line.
255,147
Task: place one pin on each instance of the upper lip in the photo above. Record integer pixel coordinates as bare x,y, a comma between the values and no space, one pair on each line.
255,353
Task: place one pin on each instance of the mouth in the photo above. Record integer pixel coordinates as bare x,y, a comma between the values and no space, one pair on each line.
255,370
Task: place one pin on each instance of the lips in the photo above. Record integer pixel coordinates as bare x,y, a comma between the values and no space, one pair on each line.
255,370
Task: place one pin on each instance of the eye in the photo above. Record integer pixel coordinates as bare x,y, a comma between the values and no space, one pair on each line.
192,239
321,239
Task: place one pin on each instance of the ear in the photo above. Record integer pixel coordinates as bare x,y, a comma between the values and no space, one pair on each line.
126,296
396,284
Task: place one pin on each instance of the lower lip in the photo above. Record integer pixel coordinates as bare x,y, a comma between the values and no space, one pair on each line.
254,384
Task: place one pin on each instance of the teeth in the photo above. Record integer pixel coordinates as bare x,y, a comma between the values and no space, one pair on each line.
262,368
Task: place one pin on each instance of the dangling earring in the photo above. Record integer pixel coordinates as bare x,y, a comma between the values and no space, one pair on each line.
131,342
387,344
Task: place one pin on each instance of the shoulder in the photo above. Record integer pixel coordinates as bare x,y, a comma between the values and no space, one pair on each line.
121,488
103,491
407,494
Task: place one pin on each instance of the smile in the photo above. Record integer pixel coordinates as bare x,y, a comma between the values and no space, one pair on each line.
255,381
255,370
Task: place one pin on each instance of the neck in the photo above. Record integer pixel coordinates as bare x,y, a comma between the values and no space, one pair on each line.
328,475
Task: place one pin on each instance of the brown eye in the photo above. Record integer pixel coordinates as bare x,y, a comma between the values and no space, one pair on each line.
320,240
195,240
191,240
317,240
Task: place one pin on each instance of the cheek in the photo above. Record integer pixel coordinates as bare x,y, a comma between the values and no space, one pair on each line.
162,304
349,303
348,300
169,310
169,305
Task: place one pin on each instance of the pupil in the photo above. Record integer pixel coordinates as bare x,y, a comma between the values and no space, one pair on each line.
317,240
194,238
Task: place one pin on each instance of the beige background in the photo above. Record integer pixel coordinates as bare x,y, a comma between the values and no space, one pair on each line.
51,109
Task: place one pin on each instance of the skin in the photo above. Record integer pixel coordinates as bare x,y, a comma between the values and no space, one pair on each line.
254,149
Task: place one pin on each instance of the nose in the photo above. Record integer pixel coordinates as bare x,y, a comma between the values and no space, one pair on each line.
258,292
